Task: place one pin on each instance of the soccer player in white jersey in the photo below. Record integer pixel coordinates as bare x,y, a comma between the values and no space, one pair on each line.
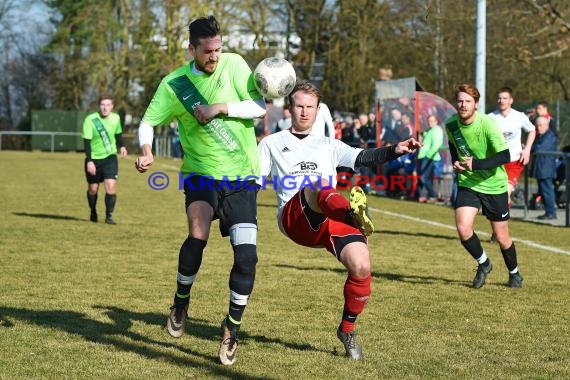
512,123
311,212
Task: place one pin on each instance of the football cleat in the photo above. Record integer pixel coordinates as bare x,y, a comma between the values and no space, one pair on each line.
481,275
515,280
352,347
228,345
176,322
357,215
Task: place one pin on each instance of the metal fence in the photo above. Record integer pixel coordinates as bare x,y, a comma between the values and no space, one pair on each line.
52,136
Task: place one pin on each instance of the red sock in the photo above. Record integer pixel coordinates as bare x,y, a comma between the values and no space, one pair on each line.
333,204
357,290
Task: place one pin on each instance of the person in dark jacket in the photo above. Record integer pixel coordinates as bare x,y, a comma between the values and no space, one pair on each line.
544,166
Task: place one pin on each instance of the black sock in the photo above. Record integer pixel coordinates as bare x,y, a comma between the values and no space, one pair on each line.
473,246
236,311
189,261
110,200
92,200
510,257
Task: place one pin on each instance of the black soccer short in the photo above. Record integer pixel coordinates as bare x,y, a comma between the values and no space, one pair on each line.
233,201
106,168
494,206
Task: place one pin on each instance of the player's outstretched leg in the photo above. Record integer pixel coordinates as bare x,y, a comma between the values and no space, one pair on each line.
357,200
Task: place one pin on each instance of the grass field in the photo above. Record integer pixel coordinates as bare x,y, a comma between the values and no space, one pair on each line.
81,300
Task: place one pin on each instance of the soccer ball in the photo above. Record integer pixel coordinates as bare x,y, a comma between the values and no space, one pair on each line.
274,78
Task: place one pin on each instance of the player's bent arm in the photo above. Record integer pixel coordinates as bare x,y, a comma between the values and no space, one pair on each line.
498,159
247,109
373,156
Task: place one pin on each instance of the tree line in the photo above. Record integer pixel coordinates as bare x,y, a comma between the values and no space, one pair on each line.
75,50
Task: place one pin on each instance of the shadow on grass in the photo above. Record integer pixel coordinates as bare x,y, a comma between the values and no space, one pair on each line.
117,334
386,276
417,234
47,216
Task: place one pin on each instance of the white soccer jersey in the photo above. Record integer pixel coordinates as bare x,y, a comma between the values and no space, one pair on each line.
294,163
512,126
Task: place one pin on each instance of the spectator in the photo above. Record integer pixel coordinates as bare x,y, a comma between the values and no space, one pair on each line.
285,122
338,128
406,130
356,126
544,166
177,152
428,157
347,131
272,116
391,128
371,130
542,110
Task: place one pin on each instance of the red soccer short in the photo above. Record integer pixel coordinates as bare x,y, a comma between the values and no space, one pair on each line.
297,225
514,170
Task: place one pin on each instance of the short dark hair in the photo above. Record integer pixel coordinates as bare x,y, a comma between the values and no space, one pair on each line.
306,87
506,89
106,97
203,27
468,89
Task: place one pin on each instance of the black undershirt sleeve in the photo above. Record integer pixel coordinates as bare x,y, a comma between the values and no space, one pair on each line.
453,152
374,156
87,146
119,139
498,159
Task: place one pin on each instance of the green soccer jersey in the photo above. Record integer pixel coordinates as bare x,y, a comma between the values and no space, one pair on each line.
480,139
225,147
101,131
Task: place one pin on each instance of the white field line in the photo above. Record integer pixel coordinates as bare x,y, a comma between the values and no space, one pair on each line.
480,233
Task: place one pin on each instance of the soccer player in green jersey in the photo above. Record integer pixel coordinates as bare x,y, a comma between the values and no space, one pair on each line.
214,100
102,133
479,151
